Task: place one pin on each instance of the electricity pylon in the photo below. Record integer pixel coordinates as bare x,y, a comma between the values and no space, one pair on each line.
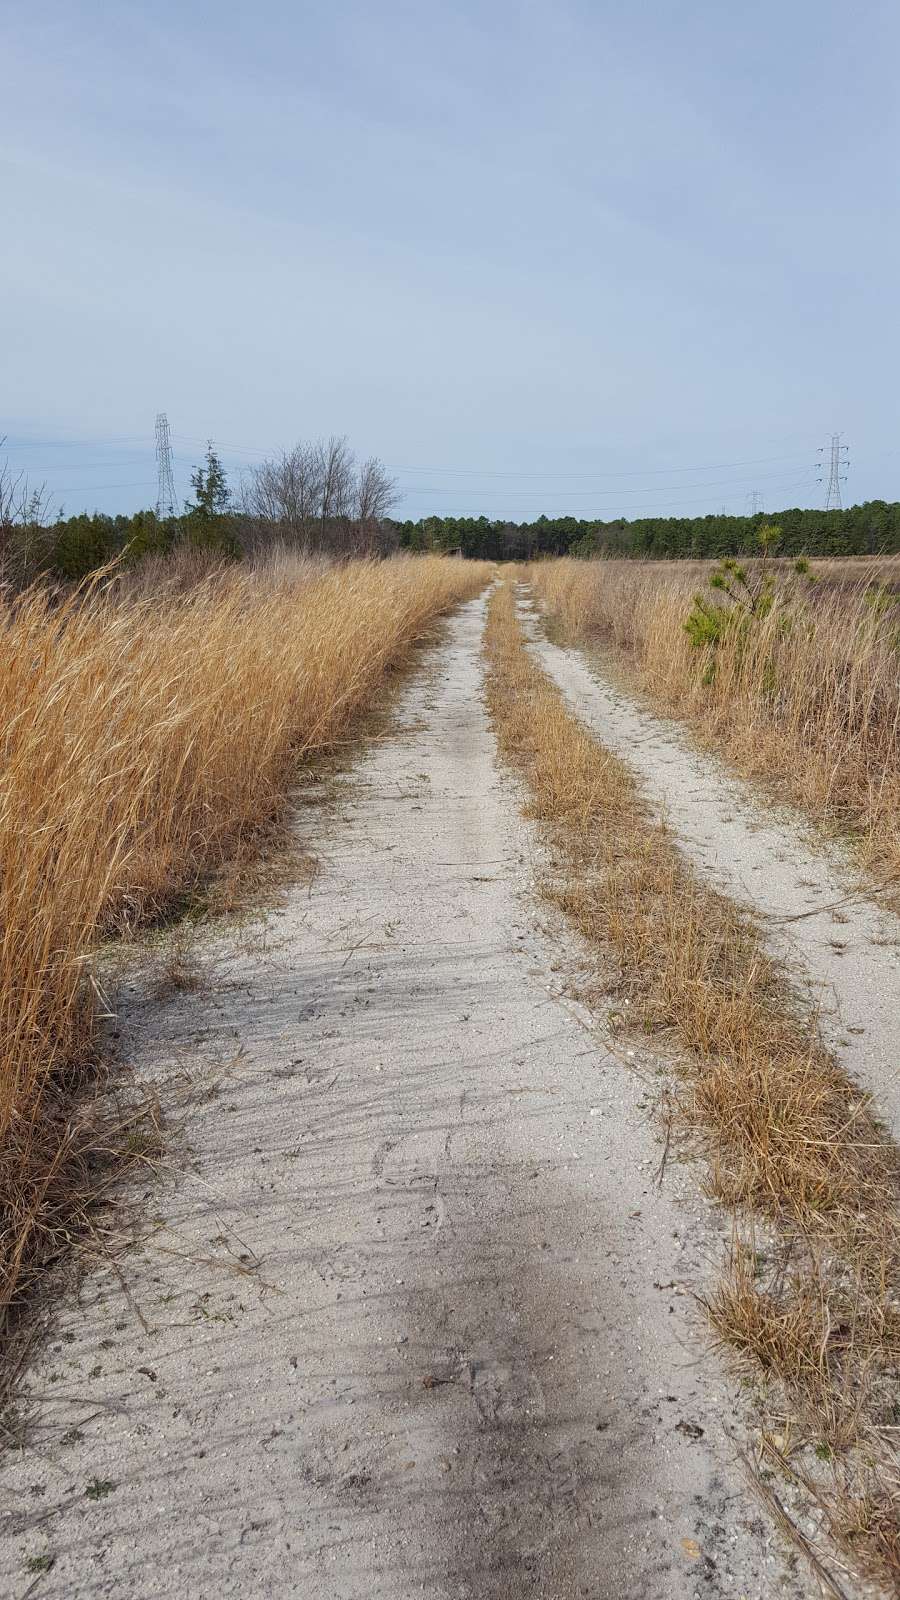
838,455
165,477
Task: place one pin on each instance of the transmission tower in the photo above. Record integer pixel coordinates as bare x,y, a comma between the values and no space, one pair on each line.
165,492
838,458
754,502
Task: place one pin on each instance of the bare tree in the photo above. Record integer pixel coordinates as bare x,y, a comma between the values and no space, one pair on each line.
287,492
376,492
304,488
314,497
24,512
260,493
337,467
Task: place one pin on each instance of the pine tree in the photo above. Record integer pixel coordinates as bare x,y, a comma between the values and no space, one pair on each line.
210,486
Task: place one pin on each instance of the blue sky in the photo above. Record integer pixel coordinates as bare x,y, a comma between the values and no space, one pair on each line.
564,257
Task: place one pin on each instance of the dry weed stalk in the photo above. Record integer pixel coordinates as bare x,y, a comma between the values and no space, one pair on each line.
788,1136
809,698
145,737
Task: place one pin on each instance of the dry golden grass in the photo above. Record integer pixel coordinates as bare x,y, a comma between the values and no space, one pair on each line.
808,699
145,738
789,1139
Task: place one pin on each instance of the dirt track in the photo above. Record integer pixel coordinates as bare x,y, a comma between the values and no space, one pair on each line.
414,1319
842,949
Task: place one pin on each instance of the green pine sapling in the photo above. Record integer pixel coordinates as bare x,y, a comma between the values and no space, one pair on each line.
750,591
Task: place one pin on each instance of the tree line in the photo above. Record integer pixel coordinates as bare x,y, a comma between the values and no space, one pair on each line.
869,529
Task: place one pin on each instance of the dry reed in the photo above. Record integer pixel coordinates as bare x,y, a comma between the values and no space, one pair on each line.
807,699
145,736
788,1137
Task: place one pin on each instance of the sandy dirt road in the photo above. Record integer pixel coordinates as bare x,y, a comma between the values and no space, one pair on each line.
843,950
415,1318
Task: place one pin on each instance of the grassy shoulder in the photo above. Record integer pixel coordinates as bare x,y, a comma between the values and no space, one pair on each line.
149,740
788,1138
802,695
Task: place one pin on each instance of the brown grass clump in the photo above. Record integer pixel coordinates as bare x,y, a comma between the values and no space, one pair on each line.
789,1138
145,737
807,699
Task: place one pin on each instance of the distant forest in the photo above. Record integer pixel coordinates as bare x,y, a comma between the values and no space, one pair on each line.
869,529
318,498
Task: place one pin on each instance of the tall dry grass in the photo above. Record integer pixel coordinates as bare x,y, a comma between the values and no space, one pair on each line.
144,737
789,1138
807,699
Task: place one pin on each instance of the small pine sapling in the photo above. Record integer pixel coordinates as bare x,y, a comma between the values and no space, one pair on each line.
750,594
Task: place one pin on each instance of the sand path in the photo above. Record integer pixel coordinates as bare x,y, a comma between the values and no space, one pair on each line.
415,1317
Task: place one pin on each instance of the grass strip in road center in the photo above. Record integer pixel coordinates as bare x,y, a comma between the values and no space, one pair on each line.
788,1137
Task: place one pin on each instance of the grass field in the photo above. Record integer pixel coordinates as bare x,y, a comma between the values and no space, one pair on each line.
146,739
806,697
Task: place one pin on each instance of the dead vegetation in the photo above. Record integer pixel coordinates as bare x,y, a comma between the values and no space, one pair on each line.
792,1145
147,738
806,699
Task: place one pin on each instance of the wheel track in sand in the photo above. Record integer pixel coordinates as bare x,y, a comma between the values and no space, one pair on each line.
459,1356
841,949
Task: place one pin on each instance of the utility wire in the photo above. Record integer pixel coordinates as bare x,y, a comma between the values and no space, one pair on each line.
637,472
606,494
589,509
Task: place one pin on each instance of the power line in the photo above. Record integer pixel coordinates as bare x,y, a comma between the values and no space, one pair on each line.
477,472
72,444
589,509
480,472
582,488
232,449
91,488
637,472
479,486
786,481
607,489
92,466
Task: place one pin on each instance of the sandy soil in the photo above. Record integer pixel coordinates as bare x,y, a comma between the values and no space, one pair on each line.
844,955
415,1317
